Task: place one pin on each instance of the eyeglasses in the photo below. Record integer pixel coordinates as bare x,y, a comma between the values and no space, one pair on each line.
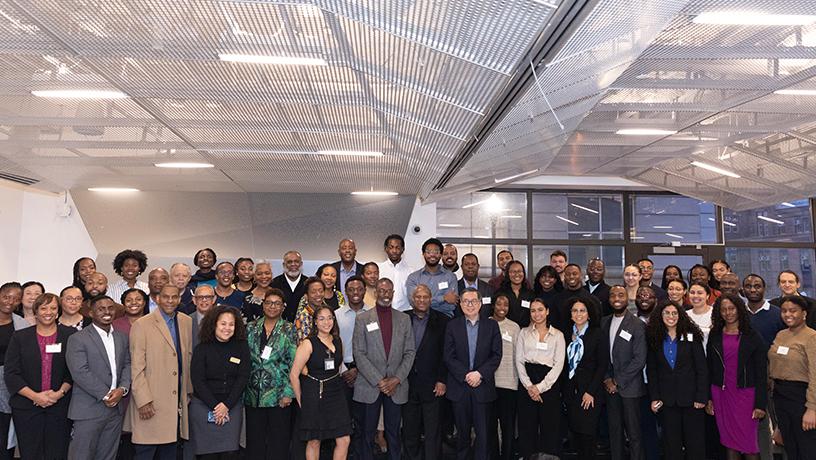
72,299
204,297
433,252
670,313
276,303
472,302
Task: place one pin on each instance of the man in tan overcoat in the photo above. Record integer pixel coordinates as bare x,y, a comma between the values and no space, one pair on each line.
161,349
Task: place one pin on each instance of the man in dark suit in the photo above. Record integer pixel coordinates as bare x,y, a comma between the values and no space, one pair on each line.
470,279
472,353
624,378
596,285
347,266
426,383
99,360
204,299
291,282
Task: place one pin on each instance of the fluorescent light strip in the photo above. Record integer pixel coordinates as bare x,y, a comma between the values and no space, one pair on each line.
113,189
478,202
182,165
773,221
567,220
584,208
675,236
715,169
636,237
645,132
788,205
753,18
516,176
79,94
450,225
374,193
276,60
662,227
345,153
510,217
730,224
796,92
295,152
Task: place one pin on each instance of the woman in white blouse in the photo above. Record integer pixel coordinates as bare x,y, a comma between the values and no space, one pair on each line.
540,351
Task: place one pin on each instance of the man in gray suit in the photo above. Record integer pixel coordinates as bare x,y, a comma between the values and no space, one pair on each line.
204,298
383,346
624,378
99,360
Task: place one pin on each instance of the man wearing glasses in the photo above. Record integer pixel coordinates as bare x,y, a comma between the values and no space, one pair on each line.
442,283
203,299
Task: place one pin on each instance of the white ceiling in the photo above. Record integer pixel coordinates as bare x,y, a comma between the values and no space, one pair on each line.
414,79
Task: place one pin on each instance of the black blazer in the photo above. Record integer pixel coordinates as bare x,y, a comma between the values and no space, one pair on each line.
752,364
358,270
684,385
602,294
589,374
429,367
518,313
487,359
292,297
23,367
485,291
559,315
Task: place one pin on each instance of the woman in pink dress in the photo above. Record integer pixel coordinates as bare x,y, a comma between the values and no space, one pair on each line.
737,363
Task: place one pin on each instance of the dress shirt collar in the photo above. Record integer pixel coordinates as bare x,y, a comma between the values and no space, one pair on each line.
765,306
103,333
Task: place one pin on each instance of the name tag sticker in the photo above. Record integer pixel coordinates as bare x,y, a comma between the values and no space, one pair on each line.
485,300
782,350
443,285
266,353
371,327
625,335
328,364
542,346
235,360
690,337
54,348
525,303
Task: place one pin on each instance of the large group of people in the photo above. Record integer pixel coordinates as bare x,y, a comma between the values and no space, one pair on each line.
232,362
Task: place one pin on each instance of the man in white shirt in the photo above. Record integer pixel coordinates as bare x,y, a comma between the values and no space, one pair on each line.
99,361
397,270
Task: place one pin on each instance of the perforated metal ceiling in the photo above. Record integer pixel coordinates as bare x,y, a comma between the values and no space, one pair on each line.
411,79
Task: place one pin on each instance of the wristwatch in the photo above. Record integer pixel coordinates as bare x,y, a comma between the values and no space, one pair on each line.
125,391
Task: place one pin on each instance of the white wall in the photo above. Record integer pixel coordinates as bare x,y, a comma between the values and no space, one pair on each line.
424,217
35,242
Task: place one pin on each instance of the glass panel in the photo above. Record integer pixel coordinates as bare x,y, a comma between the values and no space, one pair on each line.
483,215
667,219
581,255
577,217
486,254
784,222
767,263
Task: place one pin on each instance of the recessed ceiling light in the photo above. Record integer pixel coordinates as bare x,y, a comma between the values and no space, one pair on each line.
796,92
515,176
79,93
349,153
584,208
715,169
374,193
662,227
113,189
753,18
773,221
277,60
182,165
645,132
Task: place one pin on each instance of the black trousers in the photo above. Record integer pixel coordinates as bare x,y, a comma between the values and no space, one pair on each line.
469,413
42,433
624,414
648,426
422,418
540,423
268,432
683,432
392,416
504,415
789,402
5,422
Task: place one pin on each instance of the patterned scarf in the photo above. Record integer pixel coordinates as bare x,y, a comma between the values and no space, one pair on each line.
575,350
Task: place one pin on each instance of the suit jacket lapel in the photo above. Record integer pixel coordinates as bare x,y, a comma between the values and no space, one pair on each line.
378,345
101,346
161,325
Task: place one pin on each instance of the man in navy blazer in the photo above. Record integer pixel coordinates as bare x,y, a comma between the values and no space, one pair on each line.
99,360
472,353
347,266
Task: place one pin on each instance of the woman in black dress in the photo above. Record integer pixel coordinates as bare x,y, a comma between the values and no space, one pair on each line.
517,290
319,390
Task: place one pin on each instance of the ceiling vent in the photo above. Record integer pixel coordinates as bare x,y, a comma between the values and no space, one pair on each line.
17,178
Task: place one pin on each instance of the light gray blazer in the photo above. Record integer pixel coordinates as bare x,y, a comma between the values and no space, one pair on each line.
369,356
88,362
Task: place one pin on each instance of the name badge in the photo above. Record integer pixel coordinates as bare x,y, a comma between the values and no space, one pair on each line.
371,327
525,303
443,285
235,360
486,300
690,337
328,364
507,337
54,348
266,353
542,346
625,335
782,350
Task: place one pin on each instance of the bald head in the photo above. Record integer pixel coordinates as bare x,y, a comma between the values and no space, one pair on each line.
156,280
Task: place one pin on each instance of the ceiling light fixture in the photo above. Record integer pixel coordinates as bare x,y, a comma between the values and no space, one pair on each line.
662,227
183,165
512,216
79,94
753,18
516,176
567,220
477,203
773,221
645,132
374,193
113,189
584,208
673,235
266,59
788,205
450,225
796,92
349,153
715,169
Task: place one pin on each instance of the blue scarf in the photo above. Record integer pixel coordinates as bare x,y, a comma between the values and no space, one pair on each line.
575,350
